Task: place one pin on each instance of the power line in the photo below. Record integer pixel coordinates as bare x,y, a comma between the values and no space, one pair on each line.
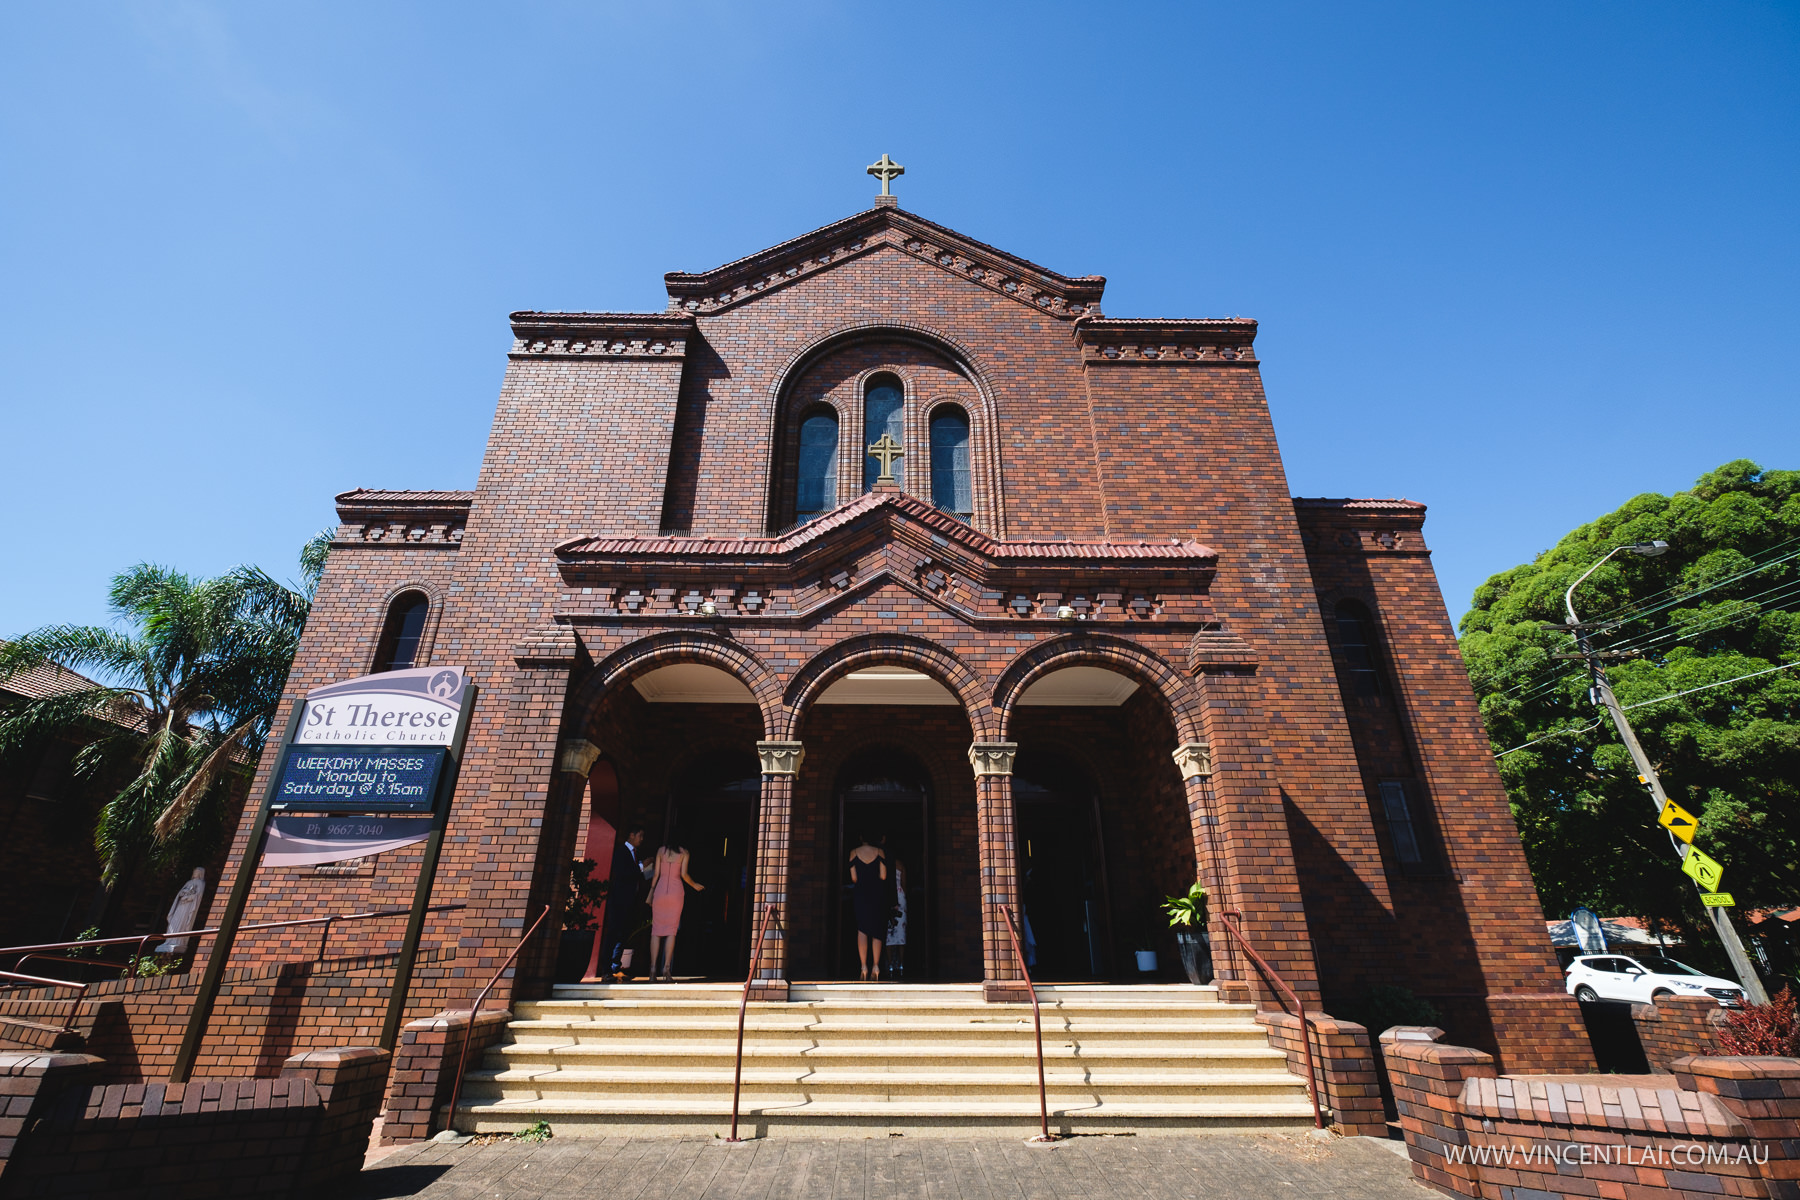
1646,703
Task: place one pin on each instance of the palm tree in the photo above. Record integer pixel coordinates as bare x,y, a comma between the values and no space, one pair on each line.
192,683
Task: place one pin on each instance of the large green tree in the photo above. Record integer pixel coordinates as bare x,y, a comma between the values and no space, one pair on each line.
1722,604
189,677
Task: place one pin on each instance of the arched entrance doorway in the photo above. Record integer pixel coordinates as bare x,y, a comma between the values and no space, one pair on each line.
1062,868
884,797
712,813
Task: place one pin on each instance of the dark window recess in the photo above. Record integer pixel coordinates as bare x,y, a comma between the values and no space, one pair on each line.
1400,822
882,405
817,493
950,486
52,769
1357,644
399,647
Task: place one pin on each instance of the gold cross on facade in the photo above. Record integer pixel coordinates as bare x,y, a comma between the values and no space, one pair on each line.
885,452
885,170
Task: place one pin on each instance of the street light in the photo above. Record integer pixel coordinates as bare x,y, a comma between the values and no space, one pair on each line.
1603,694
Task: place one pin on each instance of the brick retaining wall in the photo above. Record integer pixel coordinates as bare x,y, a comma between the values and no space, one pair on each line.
1722,1126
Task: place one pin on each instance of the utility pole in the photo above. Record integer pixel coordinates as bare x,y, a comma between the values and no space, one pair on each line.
1603,694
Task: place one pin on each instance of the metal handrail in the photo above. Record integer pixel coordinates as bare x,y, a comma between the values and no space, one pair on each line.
42,982
737,1077
144,939
475,1009
1312,1077
1037,1022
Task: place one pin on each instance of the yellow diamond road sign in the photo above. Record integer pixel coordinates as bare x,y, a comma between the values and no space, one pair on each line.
1678,821
1717,900
1705,871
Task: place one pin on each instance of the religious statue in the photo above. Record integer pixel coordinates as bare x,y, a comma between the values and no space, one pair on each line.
183,912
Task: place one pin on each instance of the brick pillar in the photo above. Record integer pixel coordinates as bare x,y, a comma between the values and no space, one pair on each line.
352,1081
999,864
30,1083
425,1065
1256,859
535,972
1195,762
780,764
1428,1080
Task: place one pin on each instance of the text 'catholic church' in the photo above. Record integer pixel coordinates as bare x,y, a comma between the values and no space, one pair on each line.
887,533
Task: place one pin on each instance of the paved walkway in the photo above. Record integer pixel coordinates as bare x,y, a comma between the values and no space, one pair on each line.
1117,1168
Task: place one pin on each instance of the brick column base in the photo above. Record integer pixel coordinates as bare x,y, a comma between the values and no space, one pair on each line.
425,1065
1343,1066
351,1082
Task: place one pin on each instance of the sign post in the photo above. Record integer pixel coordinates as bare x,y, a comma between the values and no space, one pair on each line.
387,743
415,923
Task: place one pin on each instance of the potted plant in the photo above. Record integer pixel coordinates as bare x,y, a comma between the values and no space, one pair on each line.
1187,917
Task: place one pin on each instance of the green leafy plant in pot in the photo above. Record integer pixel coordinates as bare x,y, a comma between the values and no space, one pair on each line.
1187,917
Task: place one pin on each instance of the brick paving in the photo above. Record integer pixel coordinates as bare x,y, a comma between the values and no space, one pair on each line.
1161,1168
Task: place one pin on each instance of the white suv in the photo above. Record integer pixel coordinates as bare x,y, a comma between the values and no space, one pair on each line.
1645,979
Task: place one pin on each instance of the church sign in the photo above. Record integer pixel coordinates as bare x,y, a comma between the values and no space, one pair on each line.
415,707
355,755
372,745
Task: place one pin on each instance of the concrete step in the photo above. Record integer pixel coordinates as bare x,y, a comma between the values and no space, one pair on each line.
857,1059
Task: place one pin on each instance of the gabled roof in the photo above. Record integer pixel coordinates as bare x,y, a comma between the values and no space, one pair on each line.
53,680
1064,296
910,508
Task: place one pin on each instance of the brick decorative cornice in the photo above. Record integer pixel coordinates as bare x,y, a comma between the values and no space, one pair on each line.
886,536
1165,342
377,517
1361,526
600,335
1218,650
707,292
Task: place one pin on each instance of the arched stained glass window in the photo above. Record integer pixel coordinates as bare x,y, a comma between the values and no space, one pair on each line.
883,403
400,634
817,491
950,486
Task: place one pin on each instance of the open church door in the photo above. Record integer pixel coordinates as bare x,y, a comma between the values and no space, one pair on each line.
713,814
1062,870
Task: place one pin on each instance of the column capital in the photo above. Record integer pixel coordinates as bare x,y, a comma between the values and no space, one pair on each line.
992,758
578,756
1194,759
780,758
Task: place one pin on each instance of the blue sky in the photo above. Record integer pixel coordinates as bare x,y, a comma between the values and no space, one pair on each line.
1518,261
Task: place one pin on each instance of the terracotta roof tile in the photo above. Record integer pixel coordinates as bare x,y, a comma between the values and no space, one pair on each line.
383,496
1369,504
926,514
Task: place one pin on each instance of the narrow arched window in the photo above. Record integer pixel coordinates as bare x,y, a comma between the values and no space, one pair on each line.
817,490
950,488
883,402
1356,642
400,634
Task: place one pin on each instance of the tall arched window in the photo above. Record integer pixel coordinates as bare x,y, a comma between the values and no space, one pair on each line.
950,487
400,634
883,401
817,490
1356,640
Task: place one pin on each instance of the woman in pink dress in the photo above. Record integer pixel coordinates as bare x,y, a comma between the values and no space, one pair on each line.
666,899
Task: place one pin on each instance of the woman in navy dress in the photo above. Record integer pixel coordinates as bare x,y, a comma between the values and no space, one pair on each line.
869,899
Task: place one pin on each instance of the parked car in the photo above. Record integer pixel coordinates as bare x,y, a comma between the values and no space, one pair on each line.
1645,979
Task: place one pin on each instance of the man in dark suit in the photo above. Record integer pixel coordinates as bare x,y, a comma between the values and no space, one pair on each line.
623,893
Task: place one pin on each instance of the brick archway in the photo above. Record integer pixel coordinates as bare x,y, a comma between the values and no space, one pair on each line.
1099,650
834,662
667,649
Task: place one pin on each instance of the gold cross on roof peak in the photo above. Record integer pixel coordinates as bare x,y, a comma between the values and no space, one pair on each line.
885,452
886,170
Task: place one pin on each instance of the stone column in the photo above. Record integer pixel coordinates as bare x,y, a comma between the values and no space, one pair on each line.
1194,760
1002,979
1255,860
780,764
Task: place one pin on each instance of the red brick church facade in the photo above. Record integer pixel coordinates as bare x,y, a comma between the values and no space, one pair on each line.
1083,648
